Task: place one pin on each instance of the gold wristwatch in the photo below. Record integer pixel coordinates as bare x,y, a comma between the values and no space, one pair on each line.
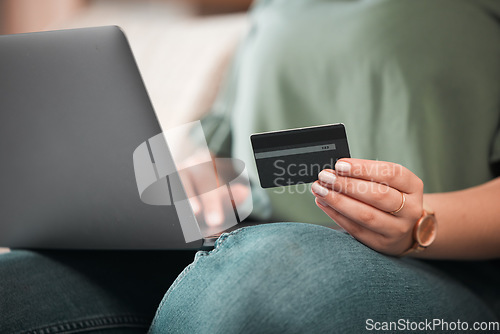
424,232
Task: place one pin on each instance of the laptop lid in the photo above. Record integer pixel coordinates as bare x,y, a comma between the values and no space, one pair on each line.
73,108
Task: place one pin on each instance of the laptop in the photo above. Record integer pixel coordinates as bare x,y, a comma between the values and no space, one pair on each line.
73,110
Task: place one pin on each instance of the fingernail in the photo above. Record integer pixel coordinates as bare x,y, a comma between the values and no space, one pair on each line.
319,189
327,177
213,218
343,167
320,201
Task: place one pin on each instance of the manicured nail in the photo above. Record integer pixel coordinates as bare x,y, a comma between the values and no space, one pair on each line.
327,177
319,189
343,167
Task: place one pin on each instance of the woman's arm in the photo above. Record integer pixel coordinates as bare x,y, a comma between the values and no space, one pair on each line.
469,223
361,194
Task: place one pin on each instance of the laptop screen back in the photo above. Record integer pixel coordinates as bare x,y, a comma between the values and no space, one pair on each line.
73,108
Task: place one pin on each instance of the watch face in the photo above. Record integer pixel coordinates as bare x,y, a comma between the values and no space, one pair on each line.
426,231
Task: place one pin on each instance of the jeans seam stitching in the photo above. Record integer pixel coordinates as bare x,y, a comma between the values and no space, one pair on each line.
221,242
85,324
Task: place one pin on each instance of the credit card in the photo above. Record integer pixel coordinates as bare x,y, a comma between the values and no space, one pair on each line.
296,156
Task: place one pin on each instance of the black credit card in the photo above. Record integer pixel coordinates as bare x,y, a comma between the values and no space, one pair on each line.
297,156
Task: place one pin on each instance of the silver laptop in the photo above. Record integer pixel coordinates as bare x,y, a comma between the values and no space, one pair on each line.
73,109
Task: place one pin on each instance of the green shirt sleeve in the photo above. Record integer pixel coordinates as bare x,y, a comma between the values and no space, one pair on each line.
217,123
217,129
495,153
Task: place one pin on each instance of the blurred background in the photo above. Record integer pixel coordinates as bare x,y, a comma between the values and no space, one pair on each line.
182,47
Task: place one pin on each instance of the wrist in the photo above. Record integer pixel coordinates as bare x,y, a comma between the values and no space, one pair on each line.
424,232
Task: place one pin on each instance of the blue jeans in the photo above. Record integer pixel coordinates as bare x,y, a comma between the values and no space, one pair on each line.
300,278
84,291
286,277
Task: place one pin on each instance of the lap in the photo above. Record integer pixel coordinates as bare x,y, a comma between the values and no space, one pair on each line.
305,278
109,291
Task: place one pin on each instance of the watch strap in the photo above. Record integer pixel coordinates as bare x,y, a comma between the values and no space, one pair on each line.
416,247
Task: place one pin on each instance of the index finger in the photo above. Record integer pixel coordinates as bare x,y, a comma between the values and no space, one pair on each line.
389,173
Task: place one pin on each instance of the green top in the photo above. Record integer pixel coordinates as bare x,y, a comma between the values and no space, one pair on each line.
414,82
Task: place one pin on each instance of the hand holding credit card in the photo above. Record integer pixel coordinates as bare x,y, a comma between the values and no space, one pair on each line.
296,156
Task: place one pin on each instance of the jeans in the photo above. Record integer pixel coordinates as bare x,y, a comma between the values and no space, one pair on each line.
273,278
84,291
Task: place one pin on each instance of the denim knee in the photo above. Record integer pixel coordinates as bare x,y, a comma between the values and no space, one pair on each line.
301,278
